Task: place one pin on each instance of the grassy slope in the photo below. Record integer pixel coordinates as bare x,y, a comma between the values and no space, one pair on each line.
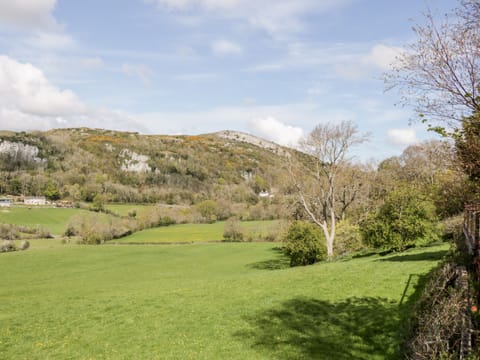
55,219
125,209
215,301
193,232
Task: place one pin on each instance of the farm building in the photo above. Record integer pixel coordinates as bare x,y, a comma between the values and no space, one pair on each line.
5,202
35,200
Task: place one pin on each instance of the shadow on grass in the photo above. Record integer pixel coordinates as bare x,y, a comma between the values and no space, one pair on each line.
355,328
433,255
305,328
279,262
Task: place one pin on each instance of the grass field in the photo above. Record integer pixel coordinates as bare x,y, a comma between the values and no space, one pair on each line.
54,219
203,301
195,232
125,209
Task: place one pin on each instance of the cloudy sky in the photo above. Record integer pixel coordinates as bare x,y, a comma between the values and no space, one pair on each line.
274,68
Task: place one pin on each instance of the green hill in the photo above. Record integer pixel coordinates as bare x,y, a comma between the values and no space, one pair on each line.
83,164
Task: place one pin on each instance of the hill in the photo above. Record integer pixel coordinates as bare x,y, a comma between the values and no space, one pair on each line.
237,170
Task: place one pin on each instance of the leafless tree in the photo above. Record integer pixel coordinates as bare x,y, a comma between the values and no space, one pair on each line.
439,74
323,197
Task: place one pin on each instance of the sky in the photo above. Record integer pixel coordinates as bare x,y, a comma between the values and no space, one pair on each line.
272,68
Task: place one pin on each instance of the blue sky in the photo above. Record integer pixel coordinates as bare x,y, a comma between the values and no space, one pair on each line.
274,68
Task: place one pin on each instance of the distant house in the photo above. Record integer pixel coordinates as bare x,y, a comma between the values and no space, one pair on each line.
265,194
5,202
35,200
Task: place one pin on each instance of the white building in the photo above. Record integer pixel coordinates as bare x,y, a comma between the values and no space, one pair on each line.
5,202
35,200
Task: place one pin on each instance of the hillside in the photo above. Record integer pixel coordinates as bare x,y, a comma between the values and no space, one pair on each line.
81,164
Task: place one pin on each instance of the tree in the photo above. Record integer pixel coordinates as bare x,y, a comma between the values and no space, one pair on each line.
439,73
319,191
405,218
468,147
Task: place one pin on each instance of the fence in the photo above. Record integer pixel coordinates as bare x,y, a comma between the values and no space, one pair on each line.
471,228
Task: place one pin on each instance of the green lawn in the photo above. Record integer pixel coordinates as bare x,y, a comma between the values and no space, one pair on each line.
194,232
203,301
54,219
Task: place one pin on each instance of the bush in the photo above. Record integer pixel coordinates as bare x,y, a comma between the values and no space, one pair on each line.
24,245
404,220
453,227
8,232
7,246
348,239
233,230
304,244
166,221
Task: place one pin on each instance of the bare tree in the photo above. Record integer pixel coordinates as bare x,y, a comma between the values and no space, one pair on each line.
323,198
439,74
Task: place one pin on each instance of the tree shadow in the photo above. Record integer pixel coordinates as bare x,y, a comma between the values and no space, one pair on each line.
433,255
355,328
279,262
305,328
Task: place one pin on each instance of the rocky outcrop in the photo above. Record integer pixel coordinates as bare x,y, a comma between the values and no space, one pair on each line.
20,151
134,162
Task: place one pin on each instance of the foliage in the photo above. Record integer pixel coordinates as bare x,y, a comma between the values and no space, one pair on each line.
304,244
7,246
9,232
51,192
348,239
319,188
94,230
208,209
404,220
468,146
24,245
453,228
233,230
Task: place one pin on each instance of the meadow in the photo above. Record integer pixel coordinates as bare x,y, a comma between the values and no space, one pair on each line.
54,219
185,233
204,301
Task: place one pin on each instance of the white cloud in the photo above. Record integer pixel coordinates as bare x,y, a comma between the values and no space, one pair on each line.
225,47
24,88
27,13
402,136
382,56
276,131
50,40
276,17
347,60
141,71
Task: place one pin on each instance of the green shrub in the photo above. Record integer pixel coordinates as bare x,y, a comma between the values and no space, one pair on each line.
166,221
233,230
403,221
348,239
304,244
